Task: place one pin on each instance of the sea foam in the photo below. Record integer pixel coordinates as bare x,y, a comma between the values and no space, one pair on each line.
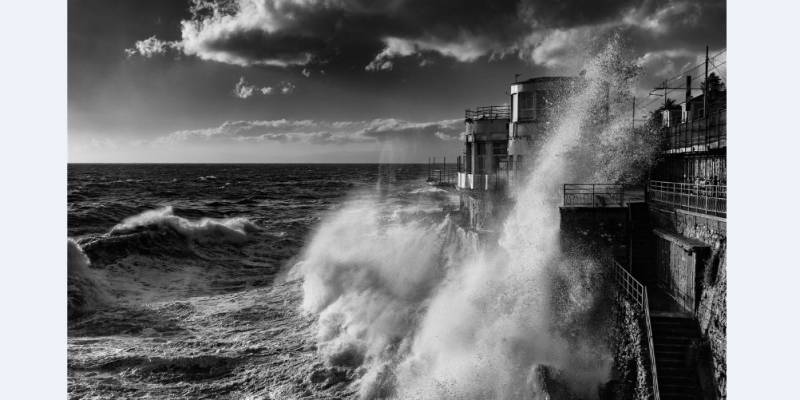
227,229
422,311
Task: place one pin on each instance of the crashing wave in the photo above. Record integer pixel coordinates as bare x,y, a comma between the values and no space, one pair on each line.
205,229
85,289
420,312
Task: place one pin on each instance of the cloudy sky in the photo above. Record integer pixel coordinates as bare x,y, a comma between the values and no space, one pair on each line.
336,80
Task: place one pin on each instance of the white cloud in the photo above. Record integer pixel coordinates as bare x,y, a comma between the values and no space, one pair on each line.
150,47
664,19
323,132
287,87
242,89
558,48
287,33
465,49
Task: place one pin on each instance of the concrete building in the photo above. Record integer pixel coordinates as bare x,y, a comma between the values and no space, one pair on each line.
534,105
485,148
499,142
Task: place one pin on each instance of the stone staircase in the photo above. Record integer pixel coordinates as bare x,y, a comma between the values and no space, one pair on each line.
673,335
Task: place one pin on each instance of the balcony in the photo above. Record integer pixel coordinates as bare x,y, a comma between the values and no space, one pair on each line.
706,199
593,195
698,135
488,112
495,182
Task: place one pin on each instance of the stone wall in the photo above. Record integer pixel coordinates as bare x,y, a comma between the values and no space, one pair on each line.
631,377
712,316
601,230
483,210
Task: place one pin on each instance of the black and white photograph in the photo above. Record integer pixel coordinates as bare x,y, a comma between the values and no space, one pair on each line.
410,199
405,199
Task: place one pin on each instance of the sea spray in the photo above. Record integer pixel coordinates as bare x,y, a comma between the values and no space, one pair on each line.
369,272
227,229
422,312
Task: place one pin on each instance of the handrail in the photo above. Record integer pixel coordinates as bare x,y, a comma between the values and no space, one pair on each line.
637,292
445,176
651,346
489,112
707,199
594,194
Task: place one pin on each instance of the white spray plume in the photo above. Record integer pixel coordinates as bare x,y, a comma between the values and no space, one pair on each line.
423,312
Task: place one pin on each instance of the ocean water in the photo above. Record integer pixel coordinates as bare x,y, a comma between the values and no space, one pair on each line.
339,282
178,275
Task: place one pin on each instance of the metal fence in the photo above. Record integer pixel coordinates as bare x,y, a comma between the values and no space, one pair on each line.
443,176
632,289
698,135
488,112
707,199
593,195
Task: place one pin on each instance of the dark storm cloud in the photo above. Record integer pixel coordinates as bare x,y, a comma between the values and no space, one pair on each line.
375,34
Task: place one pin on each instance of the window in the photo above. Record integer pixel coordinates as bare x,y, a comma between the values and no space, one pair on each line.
499,148
525,106
544,103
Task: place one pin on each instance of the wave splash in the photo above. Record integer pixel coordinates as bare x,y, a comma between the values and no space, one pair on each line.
419,310
86,291
230,229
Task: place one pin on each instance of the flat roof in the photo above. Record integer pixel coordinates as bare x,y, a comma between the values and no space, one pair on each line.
548,79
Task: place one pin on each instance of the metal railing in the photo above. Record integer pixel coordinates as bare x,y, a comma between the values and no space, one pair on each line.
707,199
443,176
593,195
698,135
488,112
637,292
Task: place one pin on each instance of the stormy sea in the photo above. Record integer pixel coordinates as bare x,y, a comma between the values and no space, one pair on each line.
345,281
180,279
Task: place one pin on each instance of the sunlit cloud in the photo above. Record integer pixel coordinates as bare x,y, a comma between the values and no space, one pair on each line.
322,132
299,33
244,90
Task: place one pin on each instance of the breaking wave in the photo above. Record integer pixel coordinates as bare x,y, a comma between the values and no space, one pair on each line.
205,229
86,290
418,309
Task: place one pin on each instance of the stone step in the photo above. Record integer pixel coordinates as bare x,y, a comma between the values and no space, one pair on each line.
672,321
673,335
677,379
678,328
668,372
681,396
671,353
673,324
670,387
676,362
675,340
